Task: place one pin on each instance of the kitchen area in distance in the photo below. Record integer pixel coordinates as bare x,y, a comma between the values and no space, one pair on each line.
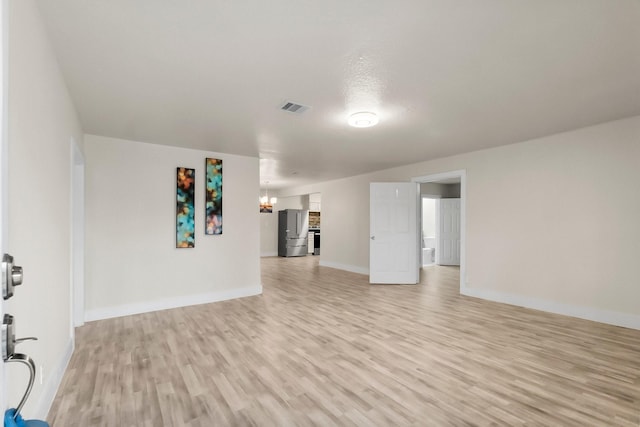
314,223
292,228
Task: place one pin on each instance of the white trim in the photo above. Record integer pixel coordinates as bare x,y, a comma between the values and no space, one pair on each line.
52,384
167,303
440,176
462,174
436,258
77,236
346,267
267,254
4,162
615,318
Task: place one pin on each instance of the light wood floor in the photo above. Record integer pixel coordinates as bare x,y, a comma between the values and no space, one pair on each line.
323,347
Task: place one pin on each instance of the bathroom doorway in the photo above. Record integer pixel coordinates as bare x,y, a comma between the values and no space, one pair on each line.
447,185
429,237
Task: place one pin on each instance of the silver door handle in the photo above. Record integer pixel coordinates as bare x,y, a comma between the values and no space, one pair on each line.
9,340
19,340
23,358
373,237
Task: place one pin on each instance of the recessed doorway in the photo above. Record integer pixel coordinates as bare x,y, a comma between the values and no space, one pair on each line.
428,234
448,185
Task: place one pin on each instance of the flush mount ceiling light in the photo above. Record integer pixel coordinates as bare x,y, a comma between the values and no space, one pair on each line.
363,119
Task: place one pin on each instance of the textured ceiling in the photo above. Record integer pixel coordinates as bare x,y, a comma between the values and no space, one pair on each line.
445,76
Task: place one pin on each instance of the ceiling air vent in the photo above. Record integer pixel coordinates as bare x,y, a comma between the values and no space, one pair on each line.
292,107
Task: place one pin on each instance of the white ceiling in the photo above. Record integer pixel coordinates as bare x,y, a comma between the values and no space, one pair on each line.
445,76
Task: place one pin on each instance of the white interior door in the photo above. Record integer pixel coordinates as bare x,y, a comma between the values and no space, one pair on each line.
3,167
449,232
393,244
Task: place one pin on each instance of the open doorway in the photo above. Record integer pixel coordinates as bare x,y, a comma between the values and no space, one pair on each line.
270,230
428,229
449,234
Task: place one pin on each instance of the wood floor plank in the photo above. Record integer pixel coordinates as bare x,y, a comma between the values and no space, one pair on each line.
322,347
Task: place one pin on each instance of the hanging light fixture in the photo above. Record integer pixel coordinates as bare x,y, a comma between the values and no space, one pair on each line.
266,203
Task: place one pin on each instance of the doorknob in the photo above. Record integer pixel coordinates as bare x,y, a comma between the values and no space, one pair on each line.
11,276
373,237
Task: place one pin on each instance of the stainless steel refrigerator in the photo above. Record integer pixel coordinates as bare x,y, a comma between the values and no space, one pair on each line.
293,229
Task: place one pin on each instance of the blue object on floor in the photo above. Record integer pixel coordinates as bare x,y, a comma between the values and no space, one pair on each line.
10,421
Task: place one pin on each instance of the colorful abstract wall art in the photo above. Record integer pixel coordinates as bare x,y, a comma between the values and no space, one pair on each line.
185,212
213,199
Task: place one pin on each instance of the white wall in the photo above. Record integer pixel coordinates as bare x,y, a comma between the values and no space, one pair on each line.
552,222
432,189
315,202
132,264
305,202
269,224
42,120
451,191
446,191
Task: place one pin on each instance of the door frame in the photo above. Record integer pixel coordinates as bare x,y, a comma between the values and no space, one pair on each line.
77,236
462,174
4,160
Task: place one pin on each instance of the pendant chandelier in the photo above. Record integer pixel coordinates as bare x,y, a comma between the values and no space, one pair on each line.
266,203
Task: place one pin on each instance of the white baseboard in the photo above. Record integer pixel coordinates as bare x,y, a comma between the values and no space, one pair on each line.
266,254
346,267
52,383
615,318
166,303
